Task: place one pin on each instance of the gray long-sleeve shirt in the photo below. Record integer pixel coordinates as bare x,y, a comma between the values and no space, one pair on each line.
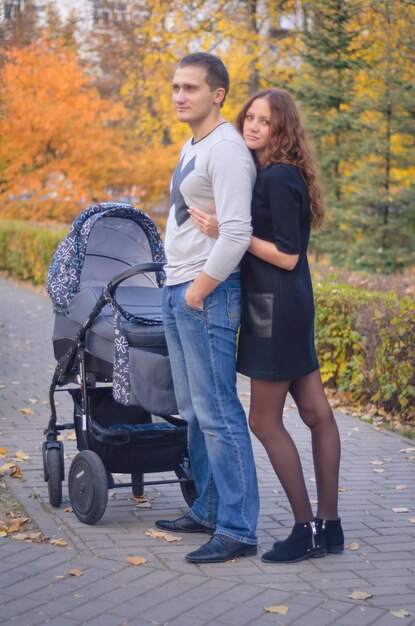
218,170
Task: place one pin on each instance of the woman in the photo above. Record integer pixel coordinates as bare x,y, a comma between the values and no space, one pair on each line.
276,346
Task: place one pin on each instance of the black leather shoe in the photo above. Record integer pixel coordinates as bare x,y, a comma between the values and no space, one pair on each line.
220,549
183,524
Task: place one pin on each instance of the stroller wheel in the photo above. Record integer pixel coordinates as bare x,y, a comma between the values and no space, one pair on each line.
88,487
138,490
54,472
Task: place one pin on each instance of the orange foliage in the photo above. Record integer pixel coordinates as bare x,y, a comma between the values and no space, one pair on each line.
60,139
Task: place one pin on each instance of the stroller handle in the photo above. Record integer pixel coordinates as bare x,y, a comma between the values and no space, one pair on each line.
141,268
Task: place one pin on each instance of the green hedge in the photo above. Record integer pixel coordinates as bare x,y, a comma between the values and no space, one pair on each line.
365,340
366,346
26,249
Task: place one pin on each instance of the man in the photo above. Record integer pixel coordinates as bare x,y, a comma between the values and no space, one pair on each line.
201,309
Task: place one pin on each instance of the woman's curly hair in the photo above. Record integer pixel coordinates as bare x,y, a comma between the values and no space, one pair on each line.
289,144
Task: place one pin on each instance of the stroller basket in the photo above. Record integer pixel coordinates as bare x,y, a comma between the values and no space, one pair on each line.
124,438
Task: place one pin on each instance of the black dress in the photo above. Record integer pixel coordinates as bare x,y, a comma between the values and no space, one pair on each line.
277,327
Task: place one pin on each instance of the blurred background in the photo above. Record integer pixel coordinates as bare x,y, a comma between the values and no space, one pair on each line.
86,111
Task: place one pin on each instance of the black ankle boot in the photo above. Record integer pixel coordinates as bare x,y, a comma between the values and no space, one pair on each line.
333,534
305,541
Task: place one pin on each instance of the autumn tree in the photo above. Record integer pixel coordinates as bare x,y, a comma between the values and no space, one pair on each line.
379,227
60,142
137,61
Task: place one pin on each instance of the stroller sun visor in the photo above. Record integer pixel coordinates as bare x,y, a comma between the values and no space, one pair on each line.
105,240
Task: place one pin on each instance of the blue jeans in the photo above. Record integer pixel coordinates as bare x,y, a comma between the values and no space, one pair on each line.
202,349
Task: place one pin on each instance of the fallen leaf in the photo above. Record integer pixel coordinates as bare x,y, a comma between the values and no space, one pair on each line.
360,595
280,609
75,572
379,471
412,520
59,577
16,523
3,533
142,502
3,451
21,536
16,472
343,489
5,468
59,542
68,436
401,487
407,450
158,534
312,479
352,545
26,411
400,509
33,400
38,537
21,456
376,462
401,613
68,509
136,560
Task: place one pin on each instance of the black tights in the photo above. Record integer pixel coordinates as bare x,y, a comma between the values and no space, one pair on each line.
266,422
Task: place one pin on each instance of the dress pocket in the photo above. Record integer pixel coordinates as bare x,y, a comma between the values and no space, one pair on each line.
258,314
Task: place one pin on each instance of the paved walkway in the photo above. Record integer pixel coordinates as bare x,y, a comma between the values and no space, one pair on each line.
377,501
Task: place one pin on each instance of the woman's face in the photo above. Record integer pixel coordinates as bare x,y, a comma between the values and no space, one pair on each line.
256,127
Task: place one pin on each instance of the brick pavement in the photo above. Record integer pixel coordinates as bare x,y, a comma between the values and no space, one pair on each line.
35,587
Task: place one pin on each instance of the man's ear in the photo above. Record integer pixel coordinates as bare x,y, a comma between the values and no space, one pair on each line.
219,95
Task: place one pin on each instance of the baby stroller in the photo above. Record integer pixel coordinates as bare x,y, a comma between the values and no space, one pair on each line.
105,284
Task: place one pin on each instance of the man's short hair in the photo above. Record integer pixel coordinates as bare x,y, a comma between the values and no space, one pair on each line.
216,73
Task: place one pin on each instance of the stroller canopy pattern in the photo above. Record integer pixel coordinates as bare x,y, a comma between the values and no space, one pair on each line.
63,280
91,254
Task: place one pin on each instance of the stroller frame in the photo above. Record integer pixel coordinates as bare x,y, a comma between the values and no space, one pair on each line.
89,494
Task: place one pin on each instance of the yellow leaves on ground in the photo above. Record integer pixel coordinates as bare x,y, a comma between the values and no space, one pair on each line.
401,613
159,534
21,456
136,560
12,469
75,572
16,472
400,509
26,411
360,595
352,545
59,542
279,609
32,537
14,525
142,502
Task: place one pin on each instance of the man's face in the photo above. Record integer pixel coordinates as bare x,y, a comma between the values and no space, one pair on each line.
192,97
